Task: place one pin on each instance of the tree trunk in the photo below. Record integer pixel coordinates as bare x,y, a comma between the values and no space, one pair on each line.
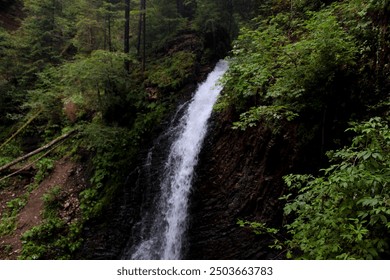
43,148
126,39
144,35
140,28
109,34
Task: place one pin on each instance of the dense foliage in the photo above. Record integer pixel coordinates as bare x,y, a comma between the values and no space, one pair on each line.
294,64
105,71
345,213
110,74
323,67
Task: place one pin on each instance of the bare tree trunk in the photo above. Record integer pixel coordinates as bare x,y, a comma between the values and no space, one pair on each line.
109,34
140,27
144,35
43,148
126,39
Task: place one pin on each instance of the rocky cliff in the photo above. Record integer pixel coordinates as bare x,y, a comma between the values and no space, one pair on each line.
239,177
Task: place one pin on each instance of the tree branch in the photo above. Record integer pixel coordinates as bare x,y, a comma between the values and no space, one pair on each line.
43,148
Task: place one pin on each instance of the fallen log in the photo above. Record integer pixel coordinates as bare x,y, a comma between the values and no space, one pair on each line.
37,151
29,165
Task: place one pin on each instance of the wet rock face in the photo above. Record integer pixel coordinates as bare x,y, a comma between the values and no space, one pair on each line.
112,234
239,177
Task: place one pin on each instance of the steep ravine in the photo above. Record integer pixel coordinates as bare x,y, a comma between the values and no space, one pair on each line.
108,236
239,176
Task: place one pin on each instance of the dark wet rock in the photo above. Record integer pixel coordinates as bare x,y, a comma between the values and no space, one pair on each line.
239,177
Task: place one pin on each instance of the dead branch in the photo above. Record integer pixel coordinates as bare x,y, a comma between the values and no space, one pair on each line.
28,165
37,151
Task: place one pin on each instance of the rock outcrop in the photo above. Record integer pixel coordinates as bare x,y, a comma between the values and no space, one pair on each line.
239,177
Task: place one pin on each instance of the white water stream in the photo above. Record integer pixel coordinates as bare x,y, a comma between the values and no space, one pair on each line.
165,237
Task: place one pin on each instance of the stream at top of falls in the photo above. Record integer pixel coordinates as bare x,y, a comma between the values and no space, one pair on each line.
161,231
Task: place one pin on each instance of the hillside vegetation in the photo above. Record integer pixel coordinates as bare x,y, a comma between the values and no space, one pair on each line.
82,81
86,85
324,66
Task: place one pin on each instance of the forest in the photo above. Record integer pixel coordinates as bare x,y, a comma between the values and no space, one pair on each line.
296,162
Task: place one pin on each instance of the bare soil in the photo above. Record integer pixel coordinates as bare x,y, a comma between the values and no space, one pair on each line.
67,175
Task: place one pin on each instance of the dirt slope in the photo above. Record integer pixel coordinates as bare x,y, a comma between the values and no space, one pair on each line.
67,175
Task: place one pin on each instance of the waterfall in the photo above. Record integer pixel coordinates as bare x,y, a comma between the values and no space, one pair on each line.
162,230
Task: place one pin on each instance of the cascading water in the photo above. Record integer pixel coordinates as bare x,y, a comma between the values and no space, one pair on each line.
162,230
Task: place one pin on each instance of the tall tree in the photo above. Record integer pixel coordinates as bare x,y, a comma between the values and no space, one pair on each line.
142,33
144,37
126,39
108,10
